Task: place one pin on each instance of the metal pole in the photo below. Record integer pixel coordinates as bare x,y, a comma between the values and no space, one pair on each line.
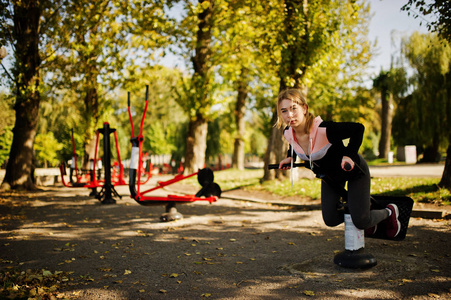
107,163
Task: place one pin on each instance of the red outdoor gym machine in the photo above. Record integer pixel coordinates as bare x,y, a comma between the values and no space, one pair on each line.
210,191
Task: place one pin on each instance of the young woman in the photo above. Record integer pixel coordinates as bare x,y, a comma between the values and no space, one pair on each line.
320,144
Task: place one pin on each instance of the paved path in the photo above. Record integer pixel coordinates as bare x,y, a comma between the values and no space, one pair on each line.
417,170
228,250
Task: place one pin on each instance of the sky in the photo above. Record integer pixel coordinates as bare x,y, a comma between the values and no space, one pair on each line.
389,21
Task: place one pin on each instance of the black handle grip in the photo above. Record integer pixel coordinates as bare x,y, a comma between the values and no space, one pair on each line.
147,92
276,166
348,167
128,98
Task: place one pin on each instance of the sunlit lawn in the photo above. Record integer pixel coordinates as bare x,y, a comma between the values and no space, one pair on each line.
417,188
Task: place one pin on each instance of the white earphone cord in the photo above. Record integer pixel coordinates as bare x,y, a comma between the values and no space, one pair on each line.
291,170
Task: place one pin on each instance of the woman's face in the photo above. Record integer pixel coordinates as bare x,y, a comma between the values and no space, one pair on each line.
292,113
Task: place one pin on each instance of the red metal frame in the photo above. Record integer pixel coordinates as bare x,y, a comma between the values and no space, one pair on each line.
89,180
135,189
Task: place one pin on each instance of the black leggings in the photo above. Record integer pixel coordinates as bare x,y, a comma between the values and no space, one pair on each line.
358,202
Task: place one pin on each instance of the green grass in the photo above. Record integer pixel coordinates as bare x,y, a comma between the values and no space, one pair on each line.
419,189
424,190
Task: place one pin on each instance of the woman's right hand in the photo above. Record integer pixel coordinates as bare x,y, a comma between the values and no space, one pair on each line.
286,161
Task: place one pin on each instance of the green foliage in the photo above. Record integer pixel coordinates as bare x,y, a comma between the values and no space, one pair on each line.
441,9
422,118
111,47
369,145
156,141
59,115
177,138
98,47
213,140
334,81
47,149
393,81
255,141
6,137
162,109
7,116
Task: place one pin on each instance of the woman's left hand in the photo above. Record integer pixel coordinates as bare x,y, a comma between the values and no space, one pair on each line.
347,164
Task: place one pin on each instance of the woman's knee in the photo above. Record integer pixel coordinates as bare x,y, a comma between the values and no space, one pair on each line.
360,222
332,221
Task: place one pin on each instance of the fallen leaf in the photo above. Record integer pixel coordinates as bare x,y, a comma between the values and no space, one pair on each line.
174,275
105,269
309,293
127,272
206,295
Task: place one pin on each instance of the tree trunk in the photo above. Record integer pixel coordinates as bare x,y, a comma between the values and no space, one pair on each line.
91,115
291,72
240,110
431,153
89,149
196,144
445,182
19,170
274,154
386,121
